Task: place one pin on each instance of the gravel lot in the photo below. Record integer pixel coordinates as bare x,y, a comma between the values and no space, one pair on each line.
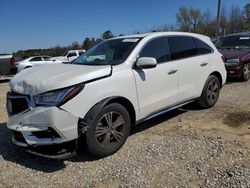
185,148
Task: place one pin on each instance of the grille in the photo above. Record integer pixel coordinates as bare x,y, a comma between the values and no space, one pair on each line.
17,103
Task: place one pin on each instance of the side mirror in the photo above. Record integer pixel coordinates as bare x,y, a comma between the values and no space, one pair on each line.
146,62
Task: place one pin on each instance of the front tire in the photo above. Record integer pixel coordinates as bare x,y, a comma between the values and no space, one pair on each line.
210,93
108,131
245,72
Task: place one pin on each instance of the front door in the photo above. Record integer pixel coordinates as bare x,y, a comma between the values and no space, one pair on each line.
157,87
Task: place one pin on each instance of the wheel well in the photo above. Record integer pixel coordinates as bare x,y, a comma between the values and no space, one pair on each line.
127,104
218,75
27,67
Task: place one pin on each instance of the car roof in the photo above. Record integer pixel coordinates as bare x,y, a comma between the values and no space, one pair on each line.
36,56
246,33
159,34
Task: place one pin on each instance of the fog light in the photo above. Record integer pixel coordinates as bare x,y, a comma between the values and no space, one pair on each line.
50,133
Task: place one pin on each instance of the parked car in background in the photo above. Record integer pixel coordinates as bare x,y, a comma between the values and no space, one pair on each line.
34,61
117,83
70,56
236,50
7,64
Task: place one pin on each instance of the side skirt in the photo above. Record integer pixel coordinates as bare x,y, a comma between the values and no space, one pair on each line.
165,110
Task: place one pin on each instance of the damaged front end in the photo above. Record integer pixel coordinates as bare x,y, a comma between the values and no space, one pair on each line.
47,131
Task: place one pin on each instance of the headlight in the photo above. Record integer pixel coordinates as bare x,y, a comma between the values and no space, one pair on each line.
58,97
232,62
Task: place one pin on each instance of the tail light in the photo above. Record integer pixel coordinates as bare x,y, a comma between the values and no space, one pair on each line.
12,61
223,59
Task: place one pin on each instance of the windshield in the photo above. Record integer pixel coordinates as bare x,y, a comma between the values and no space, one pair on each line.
109,52
65,53
234,42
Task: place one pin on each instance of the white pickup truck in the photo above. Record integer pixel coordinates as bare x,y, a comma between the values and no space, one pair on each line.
7,64
70,55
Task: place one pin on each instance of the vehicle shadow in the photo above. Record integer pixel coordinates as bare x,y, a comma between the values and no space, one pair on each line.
156,120
233,81
11,153
15,154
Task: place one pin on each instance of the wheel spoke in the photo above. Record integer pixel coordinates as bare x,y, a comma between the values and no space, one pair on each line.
214,95
209,93
106,141
117,135
100,131
108,118
118,122
215,87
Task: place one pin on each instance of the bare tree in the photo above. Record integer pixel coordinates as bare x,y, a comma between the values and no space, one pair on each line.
236,19
189,19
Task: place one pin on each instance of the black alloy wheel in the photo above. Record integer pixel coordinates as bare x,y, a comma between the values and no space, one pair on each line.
108,131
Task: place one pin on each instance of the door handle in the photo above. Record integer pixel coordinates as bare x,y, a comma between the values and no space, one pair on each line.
172,72
203,64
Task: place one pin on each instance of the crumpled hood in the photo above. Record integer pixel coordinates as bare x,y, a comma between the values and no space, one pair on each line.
234,54
44,78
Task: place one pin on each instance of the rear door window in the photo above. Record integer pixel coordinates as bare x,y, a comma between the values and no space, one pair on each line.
36,59
72,54
47,58
158,49
182,47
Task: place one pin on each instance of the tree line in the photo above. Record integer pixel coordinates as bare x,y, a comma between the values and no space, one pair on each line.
59,50
194,20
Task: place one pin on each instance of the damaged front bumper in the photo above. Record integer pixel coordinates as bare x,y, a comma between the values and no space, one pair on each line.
44,129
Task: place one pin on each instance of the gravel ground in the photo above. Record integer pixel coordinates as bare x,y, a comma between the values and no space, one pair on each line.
188,147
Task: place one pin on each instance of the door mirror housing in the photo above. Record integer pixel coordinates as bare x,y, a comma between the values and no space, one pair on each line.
146,62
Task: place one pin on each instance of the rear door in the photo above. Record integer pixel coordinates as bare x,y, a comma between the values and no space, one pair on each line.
193,66
157,87
47,59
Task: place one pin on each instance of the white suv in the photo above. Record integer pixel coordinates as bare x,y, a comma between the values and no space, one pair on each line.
70,56
114,85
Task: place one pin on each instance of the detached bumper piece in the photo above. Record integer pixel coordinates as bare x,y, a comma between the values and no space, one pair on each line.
57,151
54,151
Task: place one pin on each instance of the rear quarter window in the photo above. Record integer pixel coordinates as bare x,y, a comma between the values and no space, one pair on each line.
182,47
203,47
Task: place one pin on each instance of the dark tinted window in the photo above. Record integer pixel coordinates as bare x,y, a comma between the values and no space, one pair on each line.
80,53
158,49
47,58
234,42
182,47
36,59
72,54
203,47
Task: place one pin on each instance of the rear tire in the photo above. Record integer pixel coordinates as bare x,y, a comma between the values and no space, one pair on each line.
108,131
245,72
210,93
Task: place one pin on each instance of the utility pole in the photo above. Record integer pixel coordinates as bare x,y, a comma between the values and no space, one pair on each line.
218,18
